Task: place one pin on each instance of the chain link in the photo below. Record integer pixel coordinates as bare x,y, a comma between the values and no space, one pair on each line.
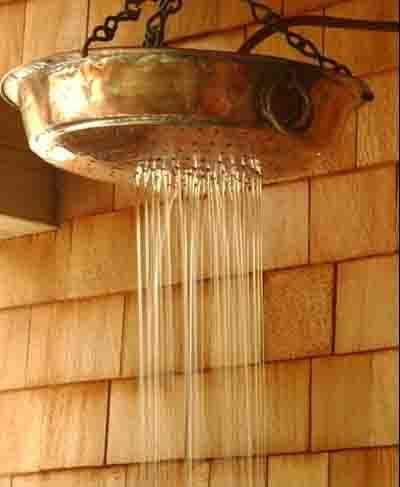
107,31
155,27
263,14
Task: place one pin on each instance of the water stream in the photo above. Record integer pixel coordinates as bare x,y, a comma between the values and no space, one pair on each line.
200,385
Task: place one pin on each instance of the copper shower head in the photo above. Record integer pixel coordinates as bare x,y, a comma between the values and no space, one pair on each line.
103,115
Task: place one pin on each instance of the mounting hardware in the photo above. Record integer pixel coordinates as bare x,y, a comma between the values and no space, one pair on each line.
285,104
155,27
262,14
274,23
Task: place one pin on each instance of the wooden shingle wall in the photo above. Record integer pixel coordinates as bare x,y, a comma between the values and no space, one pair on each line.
331,292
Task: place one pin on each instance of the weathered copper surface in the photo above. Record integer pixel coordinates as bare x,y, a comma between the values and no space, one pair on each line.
100,116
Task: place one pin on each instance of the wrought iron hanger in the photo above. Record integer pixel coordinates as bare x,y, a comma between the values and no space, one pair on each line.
271,22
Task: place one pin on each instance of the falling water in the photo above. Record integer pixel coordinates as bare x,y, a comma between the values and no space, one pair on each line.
199,322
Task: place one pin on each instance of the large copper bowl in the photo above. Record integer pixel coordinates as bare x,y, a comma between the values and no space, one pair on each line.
103,115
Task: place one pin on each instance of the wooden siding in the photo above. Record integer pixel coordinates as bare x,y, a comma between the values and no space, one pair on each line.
67,371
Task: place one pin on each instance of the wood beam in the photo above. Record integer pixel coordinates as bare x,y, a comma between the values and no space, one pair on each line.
12,133
28,196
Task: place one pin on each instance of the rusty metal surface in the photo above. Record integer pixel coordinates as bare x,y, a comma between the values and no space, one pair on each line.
100,116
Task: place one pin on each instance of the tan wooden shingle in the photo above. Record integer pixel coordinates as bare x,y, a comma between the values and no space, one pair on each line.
226,417
227,420
82,197
50,253
33,269
17,272
110,477
194,18
354,401
104,254
75,341
225,41
298,471
287,408
52,428
63,253
137,412
378,129
21,416
298,312
236,12
365,468
73,426
385,398
140,354
285,214
239,343
168,475
364,52
103,258
367,305
353,215
232,13
14,333
238,473
215,346
343,152
292,7
221,412
62,27
12,17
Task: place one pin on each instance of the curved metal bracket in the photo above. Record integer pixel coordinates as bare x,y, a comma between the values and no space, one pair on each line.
283,24
275,23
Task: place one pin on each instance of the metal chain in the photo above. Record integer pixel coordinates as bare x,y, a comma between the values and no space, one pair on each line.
263,14
107,31
155,27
